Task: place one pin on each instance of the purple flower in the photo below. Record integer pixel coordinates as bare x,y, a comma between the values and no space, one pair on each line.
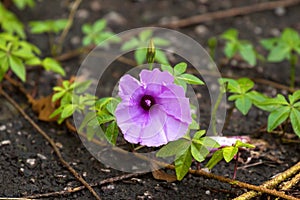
153,111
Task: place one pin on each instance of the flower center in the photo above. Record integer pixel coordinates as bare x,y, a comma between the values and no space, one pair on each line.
147,101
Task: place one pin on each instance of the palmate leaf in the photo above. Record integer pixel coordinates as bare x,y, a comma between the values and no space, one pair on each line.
229,153
243,104
17,67
173,148
295,120
112,132
52,65
183,163
277,117
190,79
215,159
180,68
279,53
248,54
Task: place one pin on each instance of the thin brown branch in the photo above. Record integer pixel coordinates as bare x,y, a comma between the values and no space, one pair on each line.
272,183
76,189
69,24
52,143
230,13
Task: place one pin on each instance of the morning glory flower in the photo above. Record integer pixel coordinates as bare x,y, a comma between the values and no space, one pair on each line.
154,110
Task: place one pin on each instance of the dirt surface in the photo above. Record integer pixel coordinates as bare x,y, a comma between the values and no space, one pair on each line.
29,165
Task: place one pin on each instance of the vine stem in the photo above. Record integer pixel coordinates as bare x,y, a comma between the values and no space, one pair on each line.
215,108
51,142
293,62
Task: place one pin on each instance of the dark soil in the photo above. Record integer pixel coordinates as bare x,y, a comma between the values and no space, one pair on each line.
29,165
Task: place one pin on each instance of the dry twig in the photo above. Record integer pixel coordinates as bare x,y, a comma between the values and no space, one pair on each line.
230,13
272,183
76,189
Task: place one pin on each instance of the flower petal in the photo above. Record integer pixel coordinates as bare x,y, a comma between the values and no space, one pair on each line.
173,129
128,85
156,76
175,103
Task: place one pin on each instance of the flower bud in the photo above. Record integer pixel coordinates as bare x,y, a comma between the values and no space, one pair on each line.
150,52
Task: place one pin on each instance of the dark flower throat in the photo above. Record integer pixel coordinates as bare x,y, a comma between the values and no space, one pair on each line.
147,101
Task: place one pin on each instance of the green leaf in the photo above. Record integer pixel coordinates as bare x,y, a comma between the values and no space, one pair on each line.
180,68
295,120
52,65
167,68
183,163
199,134
176,147
112,106
248,54
277,117
199,152
181,83
161,57
160,41
230,34
58,95
112,132
243,104
68,110
229,153
56,112
99,25
140,55
215,159
87,118
145,35
296,96
104,118
278,100
290,36
190,79
131,44
239,144
245,84
278,53
17,67
208,142
194,125
230,49
268,43
80,87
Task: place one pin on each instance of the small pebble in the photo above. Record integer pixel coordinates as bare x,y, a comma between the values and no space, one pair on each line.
75,40
5,142
201,30
275,32
115,18
41,156
2,128
207,192
257,30
31,162
95,6
84,174
22,170
82,14
280,11
105,170
59,145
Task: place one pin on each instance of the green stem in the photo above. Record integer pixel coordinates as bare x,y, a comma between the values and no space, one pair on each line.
293,62
216,106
